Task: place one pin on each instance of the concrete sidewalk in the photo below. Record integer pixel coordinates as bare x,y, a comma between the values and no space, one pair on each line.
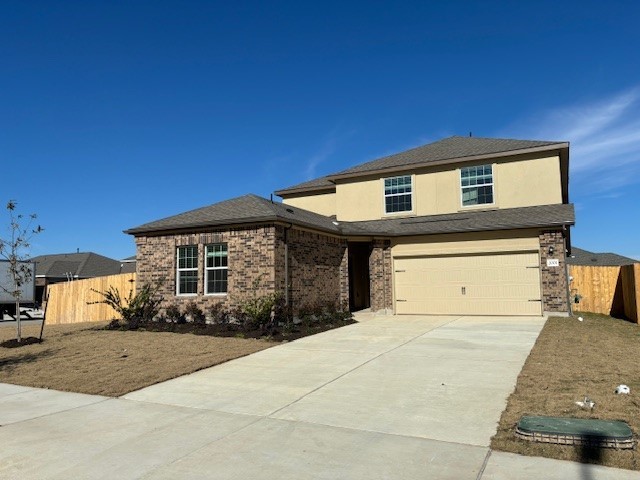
389,397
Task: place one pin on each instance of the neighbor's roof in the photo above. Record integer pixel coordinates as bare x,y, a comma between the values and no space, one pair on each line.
240,210
251,209
584,257
448,150
79,265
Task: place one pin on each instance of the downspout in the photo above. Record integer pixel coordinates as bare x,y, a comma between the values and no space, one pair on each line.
565,237
286,264
384,277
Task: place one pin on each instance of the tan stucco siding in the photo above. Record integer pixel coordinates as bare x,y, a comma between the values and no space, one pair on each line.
360,200
322,203
529,181
461,243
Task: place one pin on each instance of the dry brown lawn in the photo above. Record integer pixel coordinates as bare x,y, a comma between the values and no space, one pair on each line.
82,358
569,361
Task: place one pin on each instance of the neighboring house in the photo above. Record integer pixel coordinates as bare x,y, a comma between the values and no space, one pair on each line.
586,258
464,225
128,265
64,267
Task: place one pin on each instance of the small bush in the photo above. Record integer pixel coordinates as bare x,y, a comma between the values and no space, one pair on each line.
218,314
173,313
195,313
133,309
259,310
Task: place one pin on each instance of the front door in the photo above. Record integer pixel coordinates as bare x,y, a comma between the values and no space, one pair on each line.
359,291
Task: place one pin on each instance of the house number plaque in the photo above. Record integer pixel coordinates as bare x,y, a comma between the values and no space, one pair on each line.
553,262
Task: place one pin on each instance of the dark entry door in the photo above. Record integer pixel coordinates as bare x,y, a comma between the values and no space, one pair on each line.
359,275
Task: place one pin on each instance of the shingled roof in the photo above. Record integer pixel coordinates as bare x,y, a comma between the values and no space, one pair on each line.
240,210
252,209
77,265
607,259
448,150
473,221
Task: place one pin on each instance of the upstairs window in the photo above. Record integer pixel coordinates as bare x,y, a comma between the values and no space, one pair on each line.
216,268
398,194
187,274
477,185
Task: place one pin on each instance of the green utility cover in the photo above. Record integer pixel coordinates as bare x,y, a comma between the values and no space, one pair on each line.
575,426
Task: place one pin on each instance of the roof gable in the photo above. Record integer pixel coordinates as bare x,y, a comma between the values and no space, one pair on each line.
447,150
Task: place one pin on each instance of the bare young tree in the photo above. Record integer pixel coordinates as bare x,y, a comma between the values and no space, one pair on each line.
14,249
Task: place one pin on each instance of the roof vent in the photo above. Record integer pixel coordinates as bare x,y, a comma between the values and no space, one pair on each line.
290,210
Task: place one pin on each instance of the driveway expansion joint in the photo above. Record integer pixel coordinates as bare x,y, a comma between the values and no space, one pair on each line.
484,465
358,367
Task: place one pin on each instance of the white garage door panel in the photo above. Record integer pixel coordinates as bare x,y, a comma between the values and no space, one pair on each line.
506,284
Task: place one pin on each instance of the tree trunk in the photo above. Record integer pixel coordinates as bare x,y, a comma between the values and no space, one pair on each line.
18,329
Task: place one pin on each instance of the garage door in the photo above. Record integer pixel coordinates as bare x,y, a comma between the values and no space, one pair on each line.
493,284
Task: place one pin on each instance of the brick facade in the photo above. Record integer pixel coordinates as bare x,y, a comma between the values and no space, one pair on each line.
318,272
256,262
554,279
318,267
380,274
251,259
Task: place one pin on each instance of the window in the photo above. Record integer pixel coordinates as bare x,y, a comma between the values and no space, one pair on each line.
398,194
187,283
216,268
477,185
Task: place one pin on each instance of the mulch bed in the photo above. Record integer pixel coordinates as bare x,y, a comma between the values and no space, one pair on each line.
227,330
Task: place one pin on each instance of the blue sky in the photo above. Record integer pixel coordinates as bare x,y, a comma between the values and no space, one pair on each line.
113,114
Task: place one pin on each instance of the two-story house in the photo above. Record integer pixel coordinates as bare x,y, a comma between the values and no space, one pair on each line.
464,225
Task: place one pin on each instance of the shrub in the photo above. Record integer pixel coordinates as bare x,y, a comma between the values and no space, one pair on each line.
259,310
133,309
173,314
218,314
196,314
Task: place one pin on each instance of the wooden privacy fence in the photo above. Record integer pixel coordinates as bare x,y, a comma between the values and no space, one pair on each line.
68,301
612,291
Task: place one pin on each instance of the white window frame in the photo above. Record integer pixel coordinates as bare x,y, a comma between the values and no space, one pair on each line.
208,269
384,195
185,269
492,185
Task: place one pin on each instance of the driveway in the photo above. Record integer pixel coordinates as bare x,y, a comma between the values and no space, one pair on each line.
389,397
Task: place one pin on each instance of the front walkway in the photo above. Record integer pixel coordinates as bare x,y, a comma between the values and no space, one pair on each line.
389,397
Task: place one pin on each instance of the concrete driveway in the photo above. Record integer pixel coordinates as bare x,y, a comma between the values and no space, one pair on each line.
389,397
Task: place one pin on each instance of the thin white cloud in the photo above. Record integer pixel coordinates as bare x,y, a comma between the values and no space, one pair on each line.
326,150
320,156
604,136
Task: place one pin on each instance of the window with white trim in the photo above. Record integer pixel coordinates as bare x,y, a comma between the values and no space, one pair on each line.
216,269
477,185
187,274
398,194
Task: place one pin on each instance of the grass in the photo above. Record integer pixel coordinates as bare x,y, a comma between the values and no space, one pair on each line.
82,358
571,360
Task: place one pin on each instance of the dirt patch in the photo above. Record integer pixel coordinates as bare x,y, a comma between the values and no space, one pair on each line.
83,358
13,343
571,360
